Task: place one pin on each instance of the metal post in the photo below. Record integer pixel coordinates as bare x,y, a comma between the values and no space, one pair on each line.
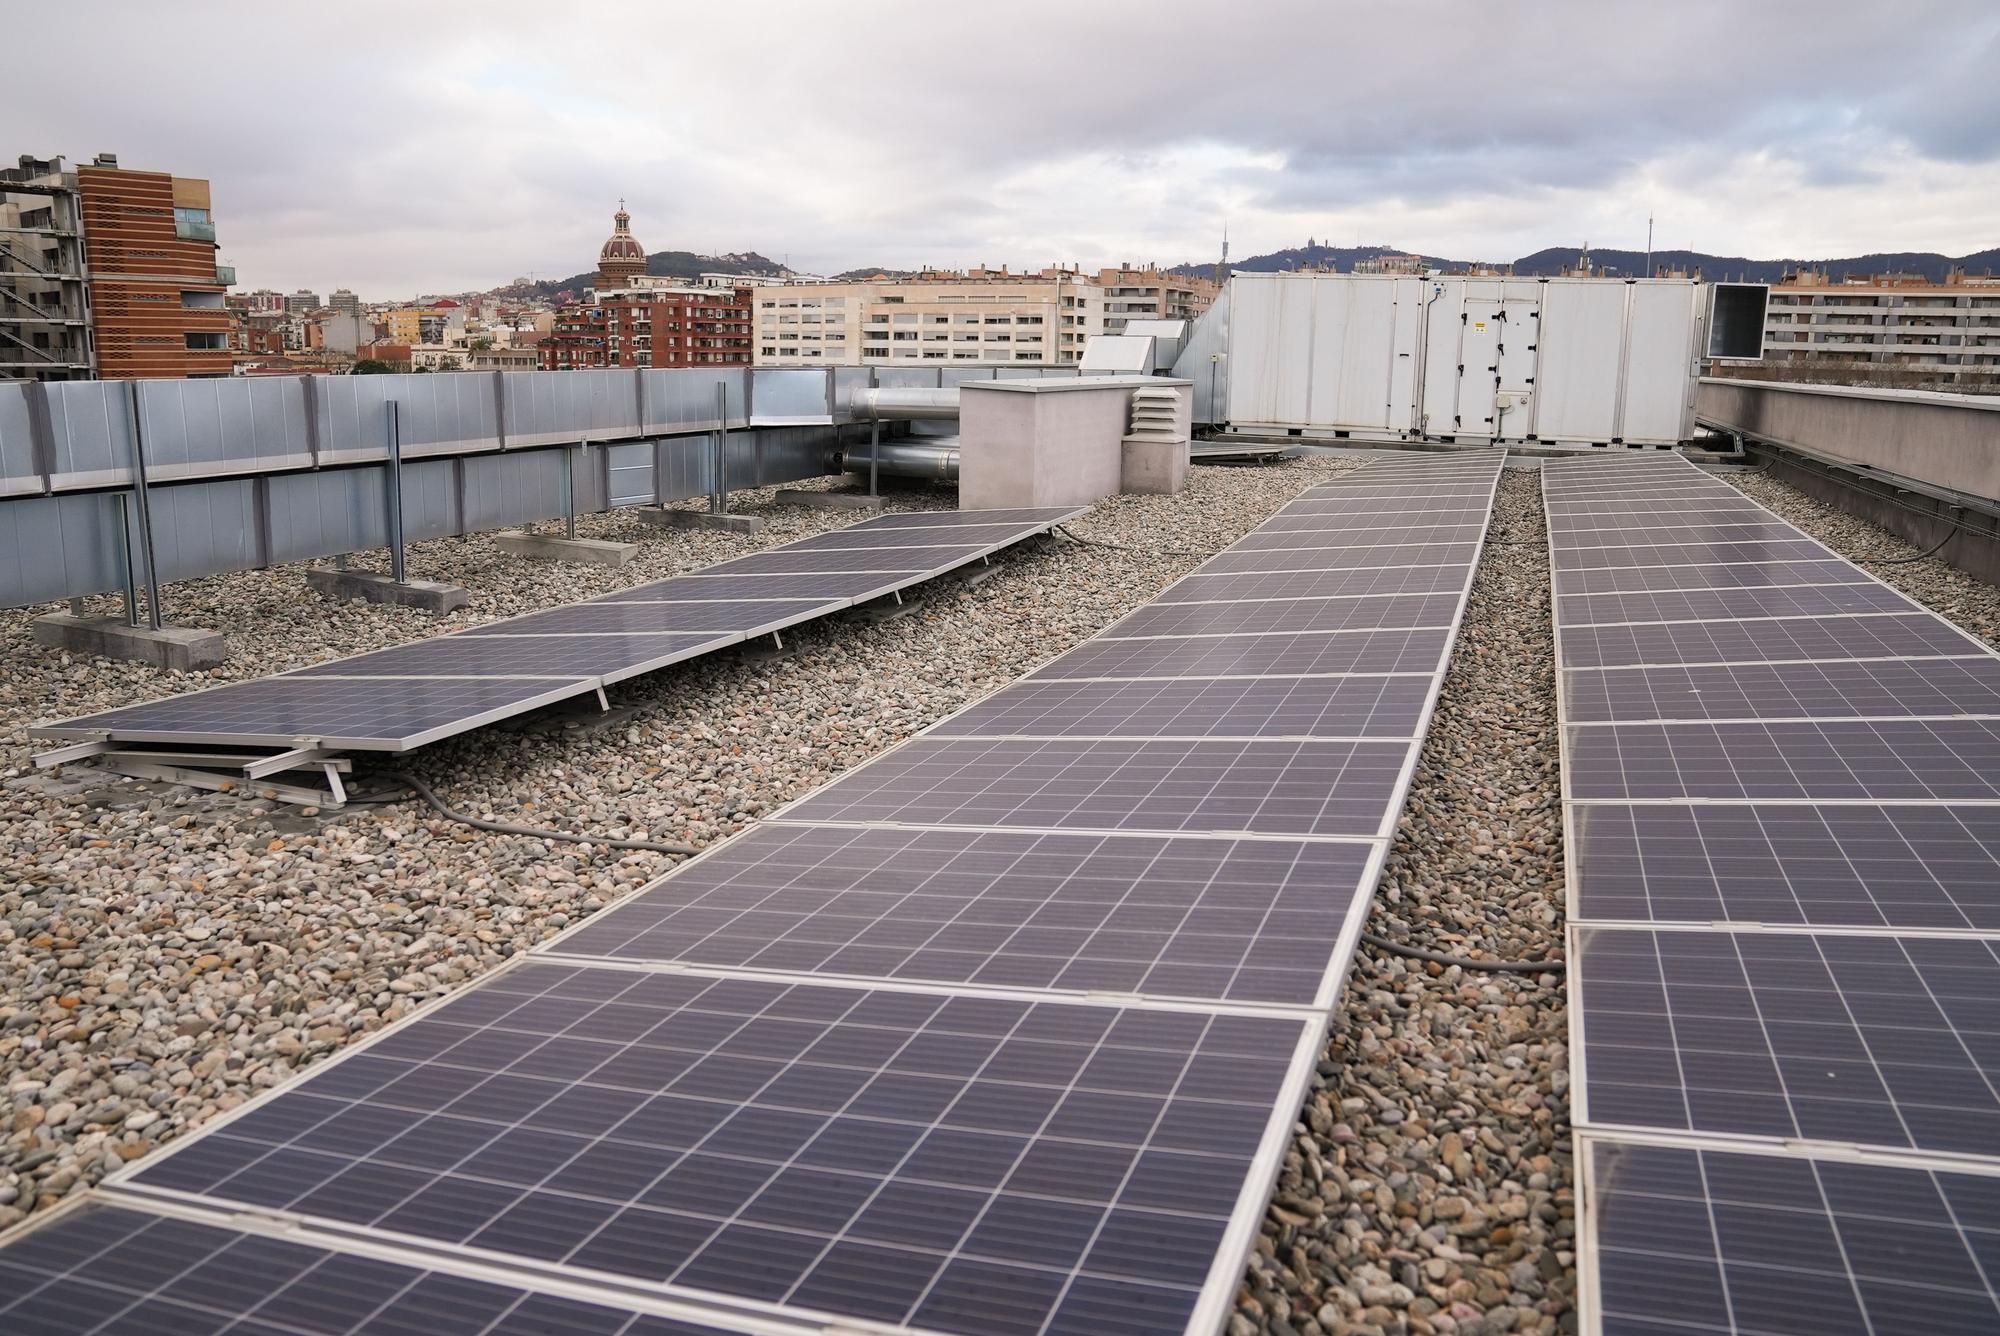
129,585
397,570
874,436
142,508
569,487
718,494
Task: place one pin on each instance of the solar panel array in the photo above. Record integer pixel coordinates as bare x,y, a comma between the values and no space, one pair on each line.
1003,1032
398,699
1782,794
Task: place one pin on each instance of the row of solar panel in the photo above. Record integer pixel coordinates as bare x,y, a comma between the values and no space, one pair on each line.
399,699
1016,1054
1784,849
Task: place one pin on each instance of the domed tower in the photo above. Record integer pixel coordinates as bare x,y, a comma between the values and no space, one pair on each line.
622,258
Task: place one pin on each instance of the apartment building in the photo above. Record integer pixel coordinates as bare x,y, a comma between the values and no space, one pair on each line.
979,315
1152,293
109,272
44,295
1888,327
652,326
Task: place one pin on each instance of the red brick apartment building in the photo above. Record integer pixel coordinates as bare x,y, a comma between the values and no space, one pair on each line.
668,327
156,293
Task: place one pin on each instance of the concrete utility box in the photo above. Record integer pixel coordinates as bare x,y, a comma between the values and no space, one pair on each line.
1046,442
1573,361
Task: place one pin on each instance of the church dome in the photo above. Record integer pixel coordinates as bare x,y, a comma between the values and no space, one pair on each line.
622,257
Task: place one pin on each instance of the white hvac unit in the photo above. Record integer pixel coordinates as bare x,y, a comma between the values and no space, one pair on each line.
1572,361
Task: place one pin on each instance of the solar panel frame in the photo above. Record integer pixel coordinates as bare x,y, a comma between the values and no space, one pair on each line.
1644,579
743,621
1376,557
1234,616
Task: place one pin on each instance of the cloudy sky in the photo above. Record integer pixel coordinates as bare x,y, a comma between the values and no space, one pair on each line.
404,148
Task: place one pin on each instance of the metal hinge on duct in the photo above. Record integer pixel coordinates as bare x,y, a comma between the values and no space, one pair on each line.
1156,414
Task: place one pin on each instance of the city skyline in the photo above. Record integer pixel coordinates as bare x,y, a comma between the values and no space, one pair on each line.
430,156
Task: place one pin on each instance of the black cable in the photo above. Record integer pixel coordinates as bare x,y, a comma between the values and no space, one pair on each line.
1465,962
429,795
1930,551
1064,530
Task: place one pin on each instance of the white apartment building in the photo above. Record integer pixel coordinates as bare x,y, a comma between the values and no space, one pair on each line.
1947,333
980,316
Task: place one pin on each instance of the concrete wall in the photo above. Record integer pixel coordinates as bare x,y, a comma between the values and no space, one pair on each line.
1044,442
1950,441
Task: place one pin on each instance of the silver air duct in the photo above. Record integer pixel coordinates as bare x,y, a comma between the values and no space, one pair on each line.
934,458
903,405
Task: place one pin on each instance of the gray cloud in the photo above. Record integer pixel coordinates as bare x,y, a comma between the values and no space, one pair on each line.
395,148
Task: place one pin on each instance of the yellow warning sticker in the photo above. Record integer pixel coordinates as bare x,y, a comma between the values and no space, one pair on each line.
1479,324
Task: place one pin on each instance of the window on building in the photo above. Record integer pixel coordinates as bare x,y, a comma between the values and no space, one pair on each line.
193,225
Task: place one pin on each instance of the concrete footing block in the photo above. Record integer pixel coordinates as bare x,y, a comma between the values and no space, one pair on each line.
184,649
828,500
700,519
1149,466
547,547
425,595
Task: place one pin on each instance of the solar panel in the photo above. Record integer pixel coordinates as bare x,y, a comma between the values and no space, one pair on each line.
1927,866
1685,554
1934,759
1345,558
636,618
1833,1037
1277,788
1345,536
1202,587
1905,635
116,1269
403,698
1624,580
1323,707
899,1155
889,560
1830,689
1782,931
362,713
992,1034
609,657
1031,519
698,587
1164,917
1713,1242
1726,604
1279,652
1251,617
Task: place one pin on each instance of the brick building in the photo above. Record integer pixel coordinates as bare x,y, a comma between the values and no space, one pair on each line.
652,327
156,292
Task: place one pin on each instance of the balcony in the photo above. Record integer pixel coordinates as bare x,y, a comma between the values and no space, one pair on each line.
225,275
